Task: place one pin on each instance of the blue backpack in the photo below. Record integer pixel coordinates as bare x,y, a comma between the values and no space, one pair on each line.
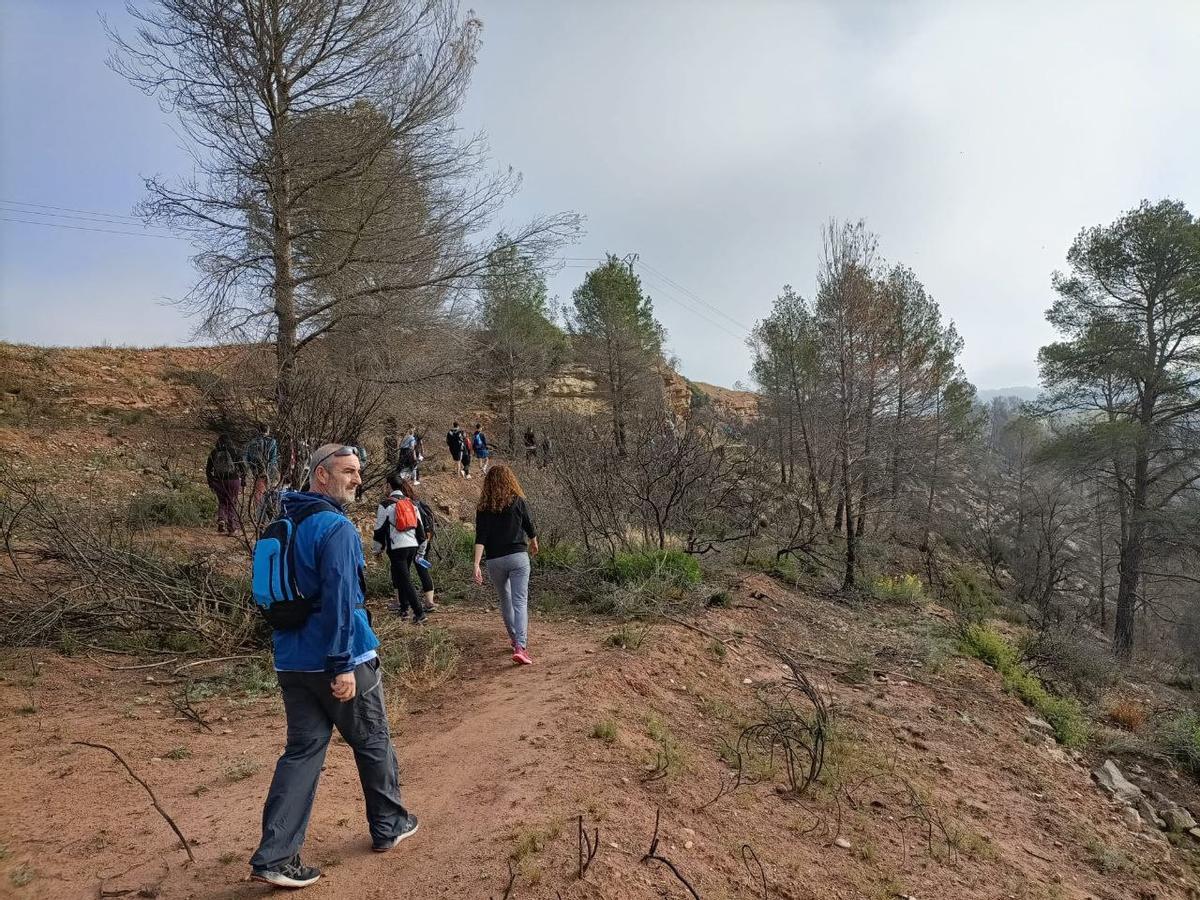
273,582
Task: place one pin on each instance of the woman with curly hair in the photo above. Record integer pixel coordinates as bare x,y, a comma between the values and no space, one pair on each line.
504,530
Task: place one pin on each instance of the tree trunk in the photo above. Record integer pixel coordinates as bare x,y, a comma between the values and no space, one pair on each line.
851,539
1132,551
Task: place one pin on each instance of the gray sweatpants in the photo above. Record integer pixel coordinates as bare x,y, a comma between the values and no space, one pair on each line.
510,576
312,712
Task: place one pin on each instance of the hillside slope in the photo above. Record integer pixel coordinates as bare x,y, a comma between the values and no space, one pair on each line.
936,783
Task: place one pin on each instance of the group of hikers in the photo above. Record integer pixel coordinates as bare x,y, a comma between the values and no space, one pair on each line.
311,559
228,468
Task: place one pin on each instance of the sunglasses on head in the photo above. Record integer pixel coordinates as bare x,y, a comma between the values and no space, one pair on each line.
340,451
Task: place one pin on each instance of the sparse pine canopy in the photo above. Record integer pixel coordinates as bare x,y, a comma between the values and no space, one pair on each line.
1127,374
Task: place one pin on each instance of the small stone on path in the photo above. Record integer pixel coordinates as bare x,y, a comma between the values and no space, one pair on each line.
843,843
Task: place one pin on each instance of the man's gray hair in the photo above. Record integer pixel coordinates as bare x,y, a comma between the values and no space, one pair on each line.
320,458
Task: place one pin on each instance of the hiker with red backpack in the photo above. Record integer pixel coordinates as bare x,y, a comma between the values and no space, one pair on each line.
422,561
399,532
223,472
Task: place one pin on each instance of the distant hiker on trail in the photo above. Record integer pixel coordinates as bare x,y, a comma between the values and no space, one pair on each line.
457,442
423,563
479,445
530,445
328,672
502,527
262,460
399,533
466,457
223,472
408,459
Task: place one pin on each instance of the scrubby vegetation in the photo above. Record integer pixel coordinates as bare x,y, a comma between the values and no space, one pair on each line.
1064,714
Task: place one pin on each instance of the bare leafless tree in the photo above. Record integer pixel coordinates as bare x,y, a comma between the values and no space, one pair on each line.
332,186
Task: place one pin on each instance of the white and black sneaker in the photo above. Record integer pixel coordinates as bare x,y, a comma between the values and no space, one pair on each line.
292,874
408,829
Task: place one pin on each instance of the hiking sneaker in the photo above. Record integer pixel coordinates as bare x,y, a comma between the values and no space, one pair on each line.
292,874
420,620
521,657
408,829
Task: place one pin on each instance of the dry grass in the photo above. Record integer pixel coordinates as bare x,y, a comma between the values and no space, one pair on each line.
1128,714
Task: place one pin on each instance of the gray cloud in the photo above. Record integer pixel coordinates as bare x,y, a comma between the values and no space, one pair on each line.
713,138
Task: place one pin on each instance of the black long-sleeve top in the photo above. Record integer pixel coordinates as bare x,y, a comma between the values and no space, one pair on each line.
506,532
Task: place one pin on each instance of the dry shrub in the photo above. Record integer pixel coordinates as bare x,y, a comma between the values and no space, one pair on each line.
1128,714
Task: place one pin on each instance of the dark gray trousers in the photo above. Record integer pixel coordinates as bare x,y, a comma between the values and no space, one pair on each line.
312,711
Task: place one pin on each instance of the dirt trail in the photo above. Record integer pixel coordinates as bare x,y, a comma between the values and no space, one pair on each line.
477,760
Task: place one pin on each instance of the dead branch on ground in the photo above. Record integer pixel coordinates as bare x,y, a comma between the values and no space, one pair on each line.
587,848
153,799
653,854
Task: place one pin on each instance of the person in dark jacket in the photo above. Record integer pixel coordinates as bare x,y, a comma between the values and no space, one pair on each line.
328,671
456,441
505,532
223,472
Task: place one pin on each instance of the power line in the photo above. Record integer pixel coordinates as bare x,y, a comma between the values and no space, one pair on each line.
169,237
88,212
30,212
665,292
693,295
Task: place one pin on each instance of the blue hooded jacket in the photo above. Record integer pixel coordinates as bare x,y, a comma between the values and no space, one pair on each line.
329,563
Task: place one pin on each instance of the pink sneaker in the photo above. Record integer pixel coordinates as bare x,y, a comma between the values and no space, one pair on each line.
521,657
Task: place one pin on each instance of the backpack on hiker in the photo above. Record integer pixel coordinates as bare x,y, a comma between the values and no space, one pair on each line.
479,443
404,518
427,520
224,466
406,458
273,580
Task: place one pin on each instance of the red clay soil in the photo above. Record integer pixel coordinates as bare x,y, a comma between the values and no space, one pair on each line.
499,762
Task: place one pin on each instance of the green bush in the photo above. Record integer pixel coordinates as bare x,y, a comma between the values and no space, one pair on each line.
557,556
969,595
379,578
673,566
627,637
423,658
1180,737
720,600
191,505
905,589
1063,713
605,731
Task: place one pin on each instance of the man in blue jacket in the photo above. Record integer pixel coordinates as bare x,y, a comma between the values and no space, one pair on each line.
329,674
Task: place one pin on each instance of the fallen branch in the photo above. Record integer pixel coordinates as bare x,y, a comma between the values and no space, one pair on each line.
747,849
512,878
153,665
587,848
153,799
699,630
653,854
215,659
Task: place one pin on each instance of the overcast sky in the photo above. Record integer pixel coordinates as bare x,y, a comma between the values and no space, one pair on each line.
711,138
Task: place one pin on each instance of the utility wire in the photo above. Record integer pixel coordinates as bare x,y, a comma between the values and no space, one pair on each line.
692,294
169,237
29,212
89,212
